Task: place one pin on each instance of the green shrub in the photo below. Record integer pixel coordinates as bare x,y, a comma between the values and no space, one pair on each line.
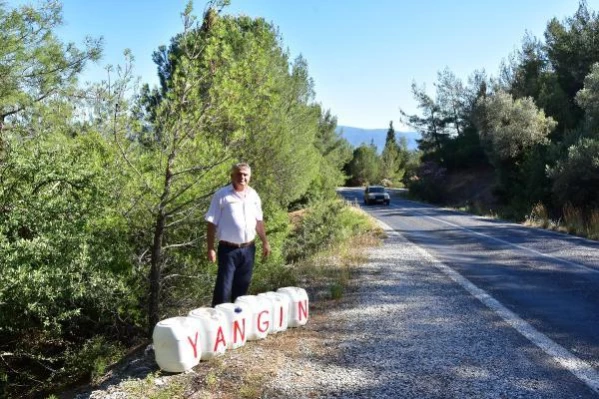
427,183
92,359
324,224
272,273
337,290
64,255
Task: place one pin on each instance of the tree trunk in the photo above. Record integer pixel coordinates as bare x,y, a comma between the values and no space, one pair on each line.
156,253
155,273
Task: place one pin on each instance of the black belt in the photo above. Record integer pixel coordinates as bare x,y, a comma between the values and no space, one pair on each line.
234,245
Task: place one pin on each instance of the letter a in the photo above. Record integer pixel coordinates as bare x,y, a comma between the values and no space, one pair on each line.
220,338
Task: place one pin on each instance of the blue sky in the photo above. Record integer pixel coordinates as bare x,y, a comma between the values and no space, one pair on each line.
363,55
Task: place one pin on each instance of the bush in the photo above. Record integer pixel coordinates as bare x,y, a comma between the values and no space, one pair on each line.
64,256
427,183
324,224
272,273
576,178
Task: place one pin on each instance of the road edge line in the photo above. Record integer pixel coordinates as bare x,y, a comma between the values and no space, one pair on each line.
578,367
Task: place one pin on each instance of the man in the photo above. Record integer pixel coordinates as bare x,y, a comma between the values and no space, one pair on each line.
234,217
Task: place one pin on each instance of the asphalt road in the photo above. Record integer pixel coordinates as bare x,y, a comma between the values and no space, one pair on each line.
544,284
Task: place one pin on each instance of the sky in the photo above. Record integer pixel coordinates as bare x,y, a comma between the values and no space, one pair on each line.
363,55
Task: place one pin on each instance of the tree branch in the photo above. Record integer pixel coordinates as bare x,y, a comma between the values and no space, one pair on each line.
181,245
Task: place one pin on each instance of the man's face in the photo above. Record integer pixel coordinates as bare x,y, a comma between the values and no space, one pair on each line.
241,178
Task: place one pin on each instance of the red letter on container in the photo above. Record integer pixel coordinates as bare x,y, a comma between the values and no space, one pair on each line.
302,309
194,345
220,338
264,324
236,329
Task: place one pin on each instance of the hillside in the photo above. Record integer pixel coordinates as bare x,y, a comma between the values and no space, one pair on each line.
357,136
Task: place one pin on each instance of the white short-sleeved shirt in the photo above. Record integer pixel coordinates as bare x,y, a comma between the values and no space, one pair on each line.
235,216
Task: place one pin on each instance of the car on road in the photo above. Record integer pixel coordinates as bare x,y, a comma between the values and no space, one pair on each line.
376,194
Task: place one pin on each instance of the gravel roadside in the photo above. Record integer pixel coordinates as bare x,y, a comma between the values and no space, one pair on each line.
408,331
405,331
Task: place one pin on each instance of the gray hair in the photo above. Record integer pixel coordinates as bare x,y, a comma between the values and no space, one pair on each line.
241,165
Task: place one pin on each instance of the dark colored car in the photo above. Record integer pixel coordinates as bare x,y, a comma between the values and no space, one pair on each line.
376,194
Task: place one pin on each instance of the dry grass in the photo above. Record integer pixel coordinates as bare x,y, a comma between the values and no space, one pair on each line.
538,217
574,221
295,217
593,225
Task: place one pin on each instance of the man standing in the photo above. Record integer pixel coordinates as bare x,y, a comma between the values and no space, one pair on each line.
234,217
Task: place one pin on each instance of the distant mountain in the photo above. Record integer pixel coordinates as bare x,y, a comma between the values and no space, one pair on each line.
357,136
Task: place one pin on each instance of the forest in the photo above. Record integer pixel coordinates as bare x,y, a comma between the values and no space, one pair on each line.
104,185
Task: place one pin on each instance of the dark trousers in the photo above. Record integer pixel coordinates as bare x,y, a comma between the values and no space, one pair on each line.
235,266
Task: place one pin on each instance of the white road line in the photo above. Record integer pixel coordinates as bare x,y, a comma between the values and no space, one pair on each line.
581,369
508,243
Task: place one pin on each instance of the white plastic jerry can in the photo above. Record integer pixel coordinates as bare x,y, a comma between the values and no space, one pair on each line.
279,310
298,305
215,331
177,343
238,318
261,316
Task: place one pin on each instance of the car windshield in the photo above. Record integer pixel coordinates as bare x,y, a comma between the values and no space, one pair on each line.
376,190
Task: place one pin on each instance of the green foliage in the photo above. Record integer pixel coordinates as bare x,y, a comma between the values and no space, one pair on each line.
337,290
324,224
106,185
576,177
59,228
427,182
464,151
571,50
433,125
92,359
335,153
393,158
510,127
447,124
65,263
272,273
364,166
588,100
35,66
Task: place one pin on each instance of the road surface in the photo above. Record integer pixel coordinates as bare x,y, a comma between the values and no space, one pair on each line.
543,285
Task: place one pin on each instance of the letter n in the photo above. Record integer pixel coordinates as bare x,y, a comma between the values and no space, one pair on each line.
302,309
237,329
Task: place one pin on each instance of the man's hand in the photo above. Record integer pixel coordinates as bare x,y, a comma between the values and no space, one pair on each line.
212,255
265,249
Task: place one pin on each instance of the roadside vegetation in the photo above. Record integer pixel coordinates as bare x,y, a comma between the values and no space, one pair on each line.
522,145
